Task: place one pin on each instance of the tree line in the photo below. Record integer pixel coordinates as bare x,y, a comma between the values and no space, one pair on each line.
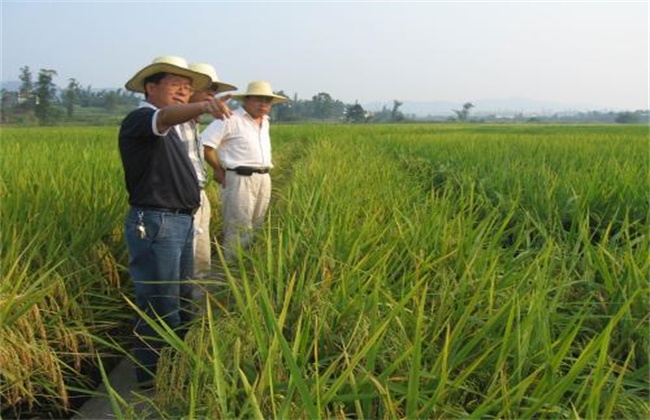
42,101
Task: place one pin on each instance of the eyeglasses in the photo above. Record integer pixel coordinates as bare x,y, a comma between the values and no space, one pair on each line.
179,83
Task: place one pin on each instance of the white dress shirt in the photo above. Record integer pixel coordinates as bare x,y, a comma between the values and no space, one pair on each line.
239,140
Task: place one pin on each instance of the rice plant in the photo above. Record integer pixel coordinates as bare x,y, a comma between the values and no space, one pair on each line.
438,272
415,271
61,256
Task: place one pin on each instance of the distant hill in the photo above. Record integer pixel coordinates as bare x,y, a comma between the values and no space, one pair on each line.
10,86
501,107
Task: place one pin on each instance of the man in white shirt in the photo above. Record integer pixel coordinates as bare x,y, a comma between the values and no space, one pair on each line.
239,151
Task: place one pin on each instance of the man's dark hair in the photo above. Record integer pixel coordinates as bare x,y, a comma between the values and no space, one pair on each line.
154,78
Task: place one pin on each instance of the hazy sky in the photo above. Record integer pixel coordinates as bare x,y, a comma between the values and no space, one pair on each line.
584,52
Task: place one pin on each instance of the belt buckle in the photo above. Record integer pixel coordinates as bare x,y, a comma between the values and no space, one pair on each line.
244,170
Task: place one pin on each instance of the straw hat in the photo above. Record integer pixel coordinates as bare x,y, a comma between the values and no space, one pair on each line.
261,88
209,71
168,64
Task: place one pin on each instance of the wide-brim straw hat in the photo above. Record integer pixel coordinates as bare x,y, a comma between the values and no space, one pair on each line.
209,71
261,88
168,64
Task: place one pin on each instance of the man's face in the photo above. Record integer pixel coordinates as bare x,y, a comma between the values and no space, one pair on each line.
203,95
172,89
257,106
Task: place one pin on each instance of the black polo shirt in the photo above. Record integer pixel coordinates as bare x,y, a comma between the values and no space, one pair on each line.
157,169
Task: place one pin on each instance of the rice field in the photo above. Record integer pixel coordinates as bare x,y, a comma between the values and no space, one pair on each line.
405,271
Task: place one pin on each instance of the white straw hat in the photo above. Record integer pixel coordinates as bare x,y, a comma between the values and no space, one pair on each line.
209,71
261,88
168,64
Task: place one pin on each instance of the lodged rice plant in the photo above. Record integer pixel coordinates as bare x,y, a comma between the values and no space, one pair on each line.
61,253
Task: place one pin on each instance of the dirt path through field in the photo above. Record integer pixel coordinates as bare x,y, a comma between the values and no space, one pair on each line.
122,380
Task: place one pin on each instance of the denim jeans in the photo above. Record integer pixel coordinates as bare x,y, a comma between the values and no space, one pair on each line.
161,265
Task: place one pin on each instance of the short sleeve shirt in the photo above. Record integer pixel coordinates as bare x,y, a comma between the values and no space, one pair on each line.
239,141
157,169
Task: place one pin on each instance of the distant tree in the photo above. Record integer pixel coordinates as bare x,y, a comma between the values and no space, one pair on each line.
71,95
628,118
322,105
383,114
355,113
125,97
26,84
392,114
86,96
26,97
5,106
45,97
284,111
395,114
111,98
338,109
463,114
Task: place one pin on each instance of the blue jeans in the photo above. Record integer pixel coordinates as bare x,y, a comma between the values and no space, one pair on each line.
160,263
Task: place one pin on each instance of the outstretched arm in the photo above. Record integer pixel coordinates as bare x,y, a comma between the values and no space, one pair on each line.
177,114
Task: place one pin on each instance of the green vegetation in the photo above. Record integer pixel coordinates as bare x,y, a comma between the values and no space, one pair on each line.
418,271
44,103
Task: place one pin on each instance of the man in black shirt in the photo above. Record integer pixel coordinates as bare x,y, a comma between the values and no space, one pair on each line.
163,194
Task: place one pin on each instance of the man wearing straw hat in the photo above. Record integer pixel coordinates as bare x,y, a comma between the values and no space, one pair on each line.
202,248
163,193
239,151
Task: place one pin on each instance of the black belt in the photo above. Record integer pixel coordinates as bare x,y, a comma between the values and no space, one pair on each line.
164,210
249,170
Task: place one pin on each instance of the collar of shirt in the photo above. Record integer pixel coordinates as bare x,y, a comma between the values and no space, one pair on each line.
145,104
154,126
241,111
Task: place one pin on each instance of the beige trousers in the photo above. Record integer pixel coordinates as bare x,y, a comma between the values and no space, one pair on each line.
202,249
245,201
